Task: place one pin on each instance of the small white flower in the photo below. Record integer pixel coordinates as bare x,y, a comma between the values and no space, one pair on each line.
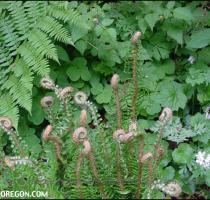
191,59
203,159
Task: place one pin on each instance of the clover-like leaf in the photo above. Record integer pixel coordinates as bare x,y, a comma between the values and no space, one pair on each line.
105,95
78,69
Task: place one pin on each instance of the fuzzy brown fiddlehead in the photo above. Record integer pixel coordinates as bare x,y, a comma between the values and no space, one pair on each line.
114,84
5,123
47,83
122,137
80,137
56,141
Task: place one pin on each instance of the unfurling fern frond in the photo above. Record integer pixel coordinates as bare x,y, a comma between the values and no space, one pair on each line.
27,31
8,108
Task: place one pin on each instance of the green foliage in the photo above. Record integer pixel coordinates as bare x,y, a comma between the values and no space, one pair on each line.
83,44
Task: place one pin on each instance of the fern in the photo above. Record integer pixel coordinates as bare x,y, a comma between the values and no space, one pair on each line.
28,31
8,108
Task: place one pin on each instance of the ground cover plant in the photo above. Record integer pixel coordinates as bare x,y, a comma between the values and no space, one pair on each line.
105,100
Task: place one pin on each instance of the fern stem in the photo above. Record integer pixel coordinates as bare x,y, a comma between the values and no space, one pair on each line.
79,163
118,110
57,145
135,93
95,173
119,173
141,149
150,172
17,143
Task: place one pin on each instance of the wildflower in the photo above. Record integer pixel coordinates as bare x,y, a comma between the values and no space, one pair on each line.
5,123
47,101
203,159
172,188
191,59
11,161
47,82
208,112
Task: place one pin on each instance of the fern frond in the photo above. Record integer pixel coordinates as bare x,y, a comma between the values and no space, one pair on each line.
10,37
54,29
19,92
19,16
63,14
9,109
43,44
37,63
35,10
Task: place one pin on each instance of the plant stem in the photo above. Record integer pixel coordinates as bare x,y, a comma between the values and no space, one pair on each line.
135,93
95,173
118,110
79,163
119,174
141,151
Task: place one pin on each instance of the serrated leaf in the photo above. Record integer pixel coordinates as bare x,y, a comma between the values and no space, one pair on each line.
183,154
172,95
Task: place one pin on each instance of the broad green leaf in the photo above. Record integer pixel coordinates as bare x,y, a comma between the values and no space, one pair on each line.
142,25
107,22
172,95
176,34
79,30
183,13
170,4
81,46
37,113
168,173
199,39
112,32
183,154
151,19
